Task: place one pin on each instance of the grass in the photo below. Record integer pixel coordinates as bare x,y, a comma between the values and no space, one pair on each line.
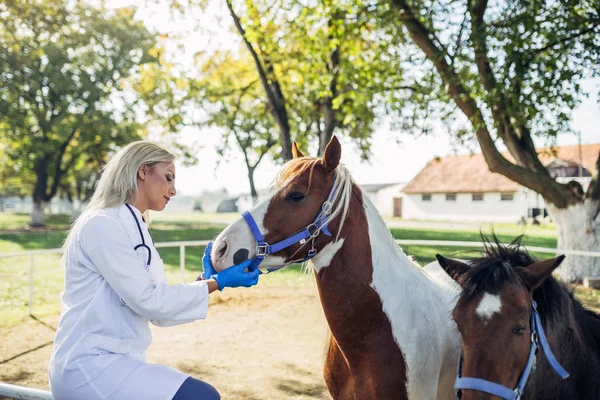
425,254
49,273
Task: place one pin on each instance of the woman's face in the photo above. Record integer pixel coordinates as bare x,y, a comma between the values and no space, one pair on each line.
156,186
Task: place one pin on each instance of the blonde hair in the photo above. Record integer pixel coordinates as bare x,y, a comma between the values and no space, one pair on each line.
118,183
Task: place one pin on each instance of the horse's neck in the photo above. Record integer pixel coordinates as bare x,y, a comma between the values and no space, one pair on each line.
385,252
574,339
366,257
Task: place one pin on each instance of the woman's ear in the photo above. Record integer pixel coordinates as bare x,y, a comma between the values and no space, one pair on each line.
142,171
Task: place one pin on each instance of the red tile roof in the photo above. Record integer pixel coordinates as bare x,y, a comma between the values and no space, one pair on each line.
470,173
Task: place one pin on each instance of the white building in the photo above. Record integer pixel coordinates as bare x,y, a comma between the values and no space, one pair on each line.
463,188
386,197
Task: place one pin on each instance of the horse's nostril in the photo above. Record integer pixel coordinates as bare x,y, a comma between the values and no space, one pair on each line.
222,249
240,255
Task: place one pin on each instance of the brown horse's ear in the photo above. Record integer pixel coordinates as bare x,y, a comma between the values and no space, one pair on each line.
455,269
333,153
537,272
295,152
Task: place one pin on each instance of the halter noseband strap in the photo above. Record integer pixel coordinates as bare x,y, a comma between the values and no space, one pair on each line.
263,249
538,338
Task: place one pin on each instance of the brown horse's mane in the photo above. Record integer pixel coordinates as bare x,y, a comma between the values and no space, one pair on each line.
500,264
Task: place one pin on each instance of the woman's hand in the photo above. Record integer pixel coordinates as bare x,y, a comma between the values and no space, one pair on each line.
207,268
237,276
234,276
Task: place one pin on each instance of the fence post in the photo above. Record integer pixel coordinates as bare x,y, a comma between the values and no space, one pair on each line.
31,284
182,261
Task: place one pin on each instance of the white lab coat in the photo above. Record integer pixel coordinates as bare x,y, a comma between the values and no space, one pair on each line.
110,295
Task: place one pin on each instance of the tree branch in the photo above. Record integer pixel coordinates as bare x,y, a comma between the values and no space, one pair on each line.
551,190
522,148
272,89
58,171
564,40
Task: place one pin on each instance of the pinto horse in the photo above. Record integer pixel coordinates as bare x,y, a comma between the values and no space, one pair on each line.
511,306
391,332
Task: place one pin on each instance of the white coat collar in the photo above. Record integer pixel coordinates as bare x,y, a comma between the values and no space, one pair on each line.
137,213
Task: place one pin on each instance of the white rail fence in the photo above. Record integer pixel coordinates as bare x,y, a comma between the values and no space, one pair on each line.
196,243
20,392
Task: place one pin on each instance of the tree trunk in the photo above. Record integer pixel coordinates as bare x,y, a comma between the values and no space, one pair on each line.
37,214
252,186
39,192
578,228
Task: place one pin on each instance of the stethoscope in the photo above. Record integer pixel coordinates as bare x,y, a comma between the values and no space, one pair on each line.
143,244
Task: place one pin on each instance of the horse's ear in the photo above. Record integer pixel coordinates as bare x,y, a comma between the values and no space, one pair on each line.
454,268
295,152
332,155
537,272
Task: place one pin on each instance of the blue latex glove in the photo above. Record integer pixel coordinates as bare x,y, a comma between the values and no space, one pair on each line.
207,268
236,276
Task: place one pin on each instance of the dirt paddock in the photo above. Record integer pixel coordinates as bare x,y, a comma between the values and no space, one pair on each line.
261,343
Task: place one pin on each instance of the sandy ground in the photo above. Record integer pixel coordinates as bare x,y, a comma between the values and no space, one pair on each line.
259,343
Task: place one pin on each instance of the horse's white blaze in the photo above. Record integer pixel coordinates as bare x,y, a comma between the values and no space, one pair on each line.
419,313
324,257
258,213
239,236
488,306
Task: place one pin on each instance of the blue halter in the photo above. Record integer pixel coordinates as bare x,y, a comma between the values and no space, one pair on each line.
263,249
538,339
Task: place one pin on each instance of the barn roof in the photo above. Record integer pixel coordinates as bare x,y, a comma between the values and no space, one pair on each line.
470,173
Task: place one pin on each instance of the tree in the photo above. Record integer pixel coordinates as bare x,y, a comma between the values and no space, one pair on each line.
322,66
227,93
231,98
13,181
514,69
62,70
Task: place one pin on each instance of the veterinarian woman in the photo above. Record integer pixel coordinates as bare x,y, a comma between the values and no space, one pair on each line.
115,284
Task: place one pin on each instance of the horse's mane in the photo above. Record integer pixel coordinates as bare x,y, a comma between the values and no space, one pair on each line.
342,186
500,264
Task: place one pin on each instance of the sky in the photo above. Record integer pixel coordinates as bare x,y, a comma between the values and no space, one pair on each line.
396,157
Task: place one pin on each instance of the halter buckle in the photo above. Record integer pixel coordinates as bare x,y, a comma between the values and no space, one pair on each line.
262,250
534,339
518,394
312,253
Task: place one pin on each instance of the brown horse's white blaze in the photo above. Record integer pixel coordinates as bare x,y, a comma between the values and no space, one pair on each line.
392,335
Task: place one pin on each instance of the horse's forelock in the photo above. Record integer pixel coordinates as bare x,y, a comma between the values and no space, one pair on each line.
500,265
342,186
294,168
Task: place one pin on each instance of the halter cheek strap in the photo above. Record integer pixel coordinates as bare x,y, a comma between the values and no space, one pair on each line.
263,249
538,339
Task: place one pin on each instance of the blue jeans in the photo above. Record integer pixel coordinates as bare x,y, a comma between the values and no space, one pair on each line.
194,389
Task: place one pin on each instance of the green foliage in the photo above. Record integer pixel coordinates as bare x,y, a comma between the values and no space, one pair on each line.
63,71
538,53
338,66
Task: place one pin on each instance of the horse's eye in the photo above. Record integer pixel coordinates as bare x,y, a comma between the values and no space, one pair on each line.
518,330
295,197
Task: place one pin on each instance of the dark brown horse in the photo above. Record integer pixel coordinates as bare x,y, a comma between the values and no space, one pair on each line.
495,315
391,332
